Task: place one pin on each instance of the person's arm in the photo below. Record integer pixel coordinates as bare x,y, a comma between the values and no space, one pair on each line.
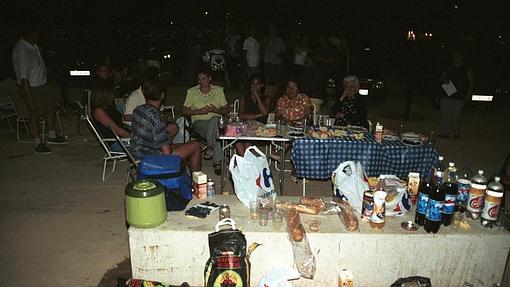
279,109
166,149
470,85
193,112
102,117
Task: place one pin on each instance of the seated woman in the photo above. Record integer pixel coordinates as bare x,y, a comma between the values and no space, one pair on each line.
293,106
253,105
105,114
351,108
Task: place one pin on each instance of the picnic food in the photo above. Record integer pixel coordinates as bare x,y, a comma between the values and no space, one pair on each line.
294,225
322,133
347,216
314,204
265,131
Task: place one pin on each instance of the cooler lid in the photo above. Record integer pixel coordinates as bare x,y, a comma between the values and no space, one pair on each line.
144,188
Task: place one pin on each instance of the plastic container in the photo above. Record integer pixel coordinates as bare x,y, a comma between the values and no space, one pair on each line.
145,203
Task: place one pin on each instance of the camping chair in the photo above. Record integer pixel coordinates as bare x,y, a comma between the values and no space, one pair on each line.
7,110
23,119
105,144
133,163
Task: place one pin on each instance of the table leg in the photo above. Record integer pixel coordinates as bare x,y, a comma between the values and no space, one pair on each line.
282,169
223,170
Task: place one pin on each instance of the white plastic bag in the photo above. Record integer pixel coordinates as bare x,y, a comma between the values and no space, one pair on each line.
278,277
398,201
182,136
348,183
252,176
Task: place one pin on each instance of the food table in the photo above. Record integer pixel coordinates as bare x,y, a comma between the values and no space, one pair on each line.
318,158
177,250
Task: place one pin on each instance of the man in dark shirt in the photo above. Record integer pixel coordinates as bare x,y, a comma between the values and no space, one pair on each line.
149,135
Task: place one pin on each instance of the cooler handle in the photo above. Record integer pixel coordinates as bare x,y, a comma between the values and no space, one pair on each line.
225,221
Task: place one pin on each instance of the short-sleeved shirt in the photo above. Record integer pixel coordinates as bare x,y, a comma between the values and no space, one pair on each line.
28,63
148,132
134,100
252,48
293,109
195,100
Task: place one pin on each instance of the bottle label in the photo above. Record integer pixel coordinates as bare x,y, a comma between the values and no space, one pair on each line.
475,198
463,190
449,204
434,210
421,204
491,207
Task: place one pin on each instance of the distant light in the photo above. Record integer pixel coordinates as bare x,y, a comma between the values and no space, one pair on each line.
500,37
367,49
79,73
171,22
456,6
299,23
206,13
430,34
426,34
363,92
481,98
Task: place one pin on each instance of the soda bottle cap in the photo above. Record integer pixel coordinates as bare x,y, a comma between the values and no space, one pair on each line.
497,178
480,172
450,164
441,158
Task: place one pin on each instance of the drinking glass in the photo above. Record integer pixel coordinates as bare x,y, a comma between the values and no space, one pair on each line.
254,210
277,221
263,214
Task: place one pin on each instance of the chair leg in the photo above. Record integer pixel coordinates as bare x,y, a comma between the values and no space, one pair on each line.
105,163
59,123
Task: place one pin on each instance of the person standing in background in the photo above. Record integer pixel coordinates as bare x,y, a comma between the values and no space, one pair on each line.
461,76
251,57
31,77
273,59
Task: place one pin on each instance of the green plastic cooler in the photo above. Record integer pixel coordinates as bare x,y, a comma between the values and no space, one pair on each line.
145,203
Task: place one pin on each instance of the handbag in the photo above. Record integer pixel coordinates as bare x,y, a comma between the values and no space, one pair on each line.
228,264
170,171
251,176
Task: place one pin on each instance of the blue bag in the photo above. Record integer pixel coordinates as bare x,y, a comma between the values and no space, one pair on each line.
171,173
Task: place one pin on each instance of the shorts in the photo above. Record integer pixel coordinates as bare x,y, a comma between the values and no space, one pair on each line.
44,98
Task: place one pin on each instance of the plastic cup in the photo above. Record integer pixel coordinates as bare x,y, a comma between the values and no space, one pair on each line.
263,214
277,221
254,210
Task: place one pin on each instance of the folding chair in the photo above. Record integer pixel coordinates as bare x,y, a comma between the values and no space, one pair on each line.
133,163
23,119
7,111
105,144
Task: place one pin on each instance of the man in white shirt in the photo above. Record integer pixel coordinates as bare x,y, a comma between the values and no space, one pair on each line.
32,82
251,50
134,100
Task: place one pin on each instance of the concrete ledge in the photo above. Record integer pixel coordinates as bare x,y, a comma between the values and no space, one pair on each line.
177,250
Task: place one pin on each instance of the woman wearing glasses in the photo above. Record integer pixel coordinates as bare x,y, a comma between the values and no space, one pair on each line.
293,106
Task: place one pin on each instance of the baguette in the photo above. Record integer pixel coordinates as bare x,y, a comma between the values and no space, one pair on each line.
296,230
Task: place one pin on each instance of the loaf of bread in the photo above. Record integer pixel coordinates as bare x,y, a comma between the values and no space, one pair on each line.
315,202
296,230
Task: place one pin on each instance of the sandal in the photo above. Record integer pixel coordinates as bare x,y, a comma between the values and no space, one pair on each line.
208,153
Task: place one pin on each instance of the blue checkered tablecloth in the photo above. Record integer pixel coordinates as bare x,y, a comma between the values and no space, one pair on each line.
317,159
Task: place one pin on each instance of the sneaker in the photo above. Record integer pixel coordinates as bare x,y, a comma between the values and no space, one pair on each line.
57,140
42,149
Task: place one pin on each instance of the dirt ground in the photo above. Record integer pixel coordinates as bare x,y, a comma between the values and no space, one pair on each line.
60,225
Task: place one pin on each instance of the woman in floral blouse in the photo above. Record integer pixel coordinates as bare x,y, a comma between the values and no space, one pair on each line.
293,106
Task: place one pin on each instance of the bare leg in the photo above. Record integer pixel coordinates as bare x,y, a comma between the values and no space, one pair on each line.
32,117
171,130
190,151
50,117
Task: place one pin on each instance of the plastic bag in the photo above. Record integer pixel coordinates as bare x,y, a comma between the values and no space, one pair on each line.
252,176
182,135
349,184
278,277
303,257
398,201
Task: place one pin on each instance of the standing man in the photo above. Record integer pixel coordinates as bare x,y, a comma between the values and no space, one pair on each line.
273,59
33,87
205,103
251,57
